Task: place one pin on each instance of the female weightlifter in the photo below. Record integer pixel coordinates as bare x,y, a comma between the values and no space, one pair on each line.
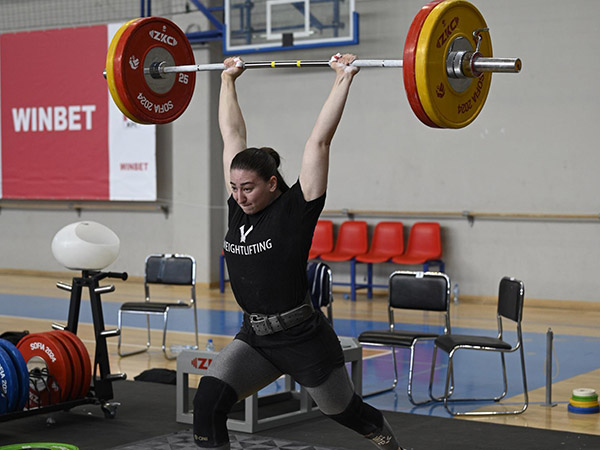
266,247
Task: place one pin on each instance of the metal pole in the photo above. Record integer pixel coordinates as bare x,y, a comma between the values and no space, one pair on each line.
549,338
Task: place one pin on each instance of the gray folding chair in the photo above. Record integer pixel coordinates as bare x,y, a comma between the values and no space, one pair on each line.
511,296
163,269
426,291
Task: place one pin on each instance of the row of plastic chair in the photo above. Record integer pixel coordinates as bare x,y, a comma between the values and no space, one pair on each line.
424,247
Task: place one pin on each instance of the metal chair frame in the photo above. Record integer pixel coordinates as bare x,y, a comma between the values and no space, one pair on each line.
394,338
149,307
510,306
327,302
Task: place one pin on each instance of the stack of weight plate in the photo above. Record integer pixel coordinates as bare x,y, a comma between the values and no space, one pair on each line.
584,401
43,369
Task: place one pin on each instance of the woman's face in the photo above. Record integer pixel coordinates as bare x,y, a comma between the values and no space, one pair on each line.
250,191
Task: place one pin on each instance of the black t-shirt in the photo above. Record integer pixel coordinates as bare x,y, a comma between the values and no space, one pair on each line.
266,256
266,252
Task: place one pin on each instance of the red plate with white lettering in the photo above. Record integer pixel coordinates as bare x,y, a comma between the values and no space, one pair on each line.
85,364
75,359
145,42
408,63
49,369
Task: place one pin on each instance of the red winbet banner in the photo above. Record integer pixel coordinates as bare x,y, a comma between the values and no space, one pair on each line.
57,138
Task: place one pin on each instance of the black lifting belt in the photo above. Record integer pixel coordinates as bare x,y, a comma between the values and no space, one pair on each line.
264,324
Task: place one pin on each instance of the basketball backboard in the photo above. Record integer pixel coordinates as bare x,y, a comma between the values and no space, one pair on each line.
273,25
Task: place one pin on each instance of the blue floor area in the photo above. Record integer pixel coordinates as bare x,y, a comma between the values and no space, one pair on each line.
476,373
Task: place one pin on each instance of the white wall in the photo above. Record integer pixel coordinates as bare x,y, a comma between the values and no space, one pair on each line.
531,150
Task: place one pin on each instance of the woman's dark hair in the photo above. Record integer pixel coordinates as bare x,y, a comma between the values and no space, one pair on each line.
264,161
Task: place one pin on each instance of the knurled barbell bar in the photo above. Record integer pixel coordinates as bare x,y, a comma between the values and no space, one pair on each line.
446,72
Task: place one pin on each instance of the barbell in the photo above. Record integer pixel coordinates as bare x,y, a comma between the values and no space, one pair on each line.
447,66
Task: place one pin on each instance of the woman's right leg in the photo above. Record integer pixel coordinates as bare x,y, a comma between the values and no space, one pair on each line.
237,372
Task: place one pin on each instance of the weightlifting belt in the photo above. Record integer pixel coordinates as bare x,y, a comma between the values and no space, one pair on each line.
264,324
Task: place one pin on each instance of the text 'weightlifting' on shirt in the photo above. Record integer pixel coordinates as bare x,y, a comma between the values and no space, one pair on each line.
251,249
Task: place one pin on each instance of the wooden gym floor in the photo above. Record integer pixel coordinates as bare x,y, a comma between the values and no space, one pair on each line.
575,327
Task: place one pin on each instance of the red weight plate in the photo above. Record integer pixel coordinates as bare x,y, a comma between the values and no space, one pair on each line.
408,63
86,364
148,40
64,354
45,352
76,370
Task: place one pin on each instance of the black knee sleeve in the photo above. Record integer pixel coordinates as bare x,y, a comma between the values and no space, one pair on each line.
212,402
368,421
360,417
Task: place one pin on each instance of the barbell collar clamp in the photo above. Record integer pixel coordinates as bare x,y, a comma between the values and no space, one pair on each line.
156,69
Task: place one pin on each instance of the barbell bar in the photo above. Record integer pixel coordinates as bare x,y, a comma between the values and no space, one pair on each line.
478,63
447,66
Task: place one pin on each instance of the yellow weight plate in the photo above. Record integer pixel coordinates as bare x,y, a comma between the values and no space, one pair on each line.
580,404
110,77
448,106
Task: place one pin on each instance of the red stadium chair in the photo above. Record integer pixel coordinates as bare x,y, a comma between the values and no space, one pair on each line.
351,241
387,242
322,239
424,246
